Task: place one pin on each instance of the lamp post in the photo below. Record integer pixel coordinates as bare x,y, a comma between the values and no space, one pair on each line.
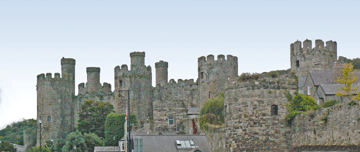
128,119
40,133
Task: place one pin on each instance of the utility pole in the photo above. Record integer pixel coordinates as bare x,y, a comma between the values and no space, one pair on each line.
128,119
40,134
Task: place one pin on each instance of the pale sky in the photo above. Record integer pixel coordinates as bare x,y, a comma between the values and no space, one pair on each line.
35,35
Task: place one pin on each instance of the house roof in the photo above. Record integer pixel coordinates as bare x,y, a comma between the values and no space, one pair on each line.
331,89
156,143
193,111
321,76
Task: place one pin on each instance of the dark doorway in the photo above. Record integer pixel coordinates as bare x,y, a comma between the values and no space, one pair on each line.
194,127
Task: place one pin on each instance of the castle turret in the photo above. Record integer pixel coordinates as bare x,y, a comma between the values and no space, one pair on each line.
68,69
93,79
137,60
161,73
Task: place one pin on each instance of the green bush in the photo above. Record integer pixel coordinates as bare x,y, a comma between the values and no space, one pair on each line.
299,104
14,133
7,146
212,112
37,149
114,128
352,103
329,103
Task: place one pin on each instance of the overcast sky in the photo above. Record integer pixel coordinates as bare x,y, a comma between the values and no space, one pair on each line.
35,35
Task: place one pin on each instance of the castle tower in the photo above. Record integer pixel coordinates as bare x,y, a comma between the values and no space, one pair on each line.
137,59
161,72
213,74
93,79
138,80
305,58
55,103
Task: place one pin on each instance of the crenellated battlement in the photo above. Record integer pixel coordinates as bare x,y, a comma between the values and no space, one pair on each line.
305,57
48,77
161,63
307,46
220,58
105,87
181,83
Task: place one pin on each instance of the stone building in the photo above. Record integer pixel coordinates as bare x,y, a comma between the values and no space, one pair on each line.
170,106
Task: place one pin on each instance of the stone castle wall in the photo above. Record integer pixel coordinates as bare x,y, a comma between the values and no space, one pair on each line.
341,128
249,123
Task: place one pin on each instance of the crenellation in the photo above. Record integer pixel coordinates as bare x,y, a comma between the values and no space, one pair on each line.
57,75
319,44
48,76
220,57
41,76
210,58
307,44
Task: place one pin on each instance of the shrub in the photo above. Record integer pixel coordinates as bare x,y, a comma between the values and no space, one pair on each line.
212,112
329,103
37,149
352,103
299,104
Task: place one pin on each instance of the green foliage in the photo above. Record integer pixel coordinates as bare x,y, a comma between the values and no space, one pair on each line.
329,103
6,146
14,133
114,128
212,112
355,62
92,117
75,141
92,140
352,103
299,104
255,76
37,149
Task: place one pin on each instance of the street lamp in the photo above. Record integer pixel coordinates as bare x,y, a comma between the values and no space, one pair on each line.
40,133
128,118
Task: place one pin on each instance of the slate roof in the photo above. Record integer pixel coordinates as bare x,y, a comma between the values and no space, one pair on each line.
167,143
331,89
193,111
321,76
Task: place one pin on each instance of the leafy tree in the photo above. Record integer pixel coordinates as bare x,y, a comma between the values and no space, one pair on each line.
37,149
329,103
114,128
92,117
348,78
6,146
14,133
299,104
92,140
75,141
212,112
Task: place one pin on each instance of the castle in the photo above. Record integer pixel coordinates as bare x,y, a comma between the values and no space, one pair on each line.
254,110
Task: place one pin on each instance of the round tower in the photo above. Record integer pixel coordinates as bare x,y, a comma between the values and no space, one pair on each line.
161,72
137,59
68,69
93,79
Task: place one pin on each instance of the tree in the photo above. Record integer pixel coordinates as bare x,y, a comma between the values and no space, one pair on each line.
92,117
299,104
348,78
76,141
14,133
37,149
212,112
6,146
114,128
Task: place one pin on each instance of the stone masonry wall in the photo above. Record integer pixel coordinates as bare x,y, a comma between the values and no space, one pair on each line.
342,126
250,125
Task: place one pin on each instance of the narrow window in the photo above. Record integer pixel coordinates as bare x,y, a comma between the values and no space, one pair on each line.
49,118
297,63
308,90
274,110
171,121
194,127
201,75
121,83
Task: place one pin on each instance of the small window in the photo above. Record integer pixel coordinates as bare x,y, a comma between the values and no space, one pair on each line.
274,110
121,83
49,118
201,75
297,63
171,121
